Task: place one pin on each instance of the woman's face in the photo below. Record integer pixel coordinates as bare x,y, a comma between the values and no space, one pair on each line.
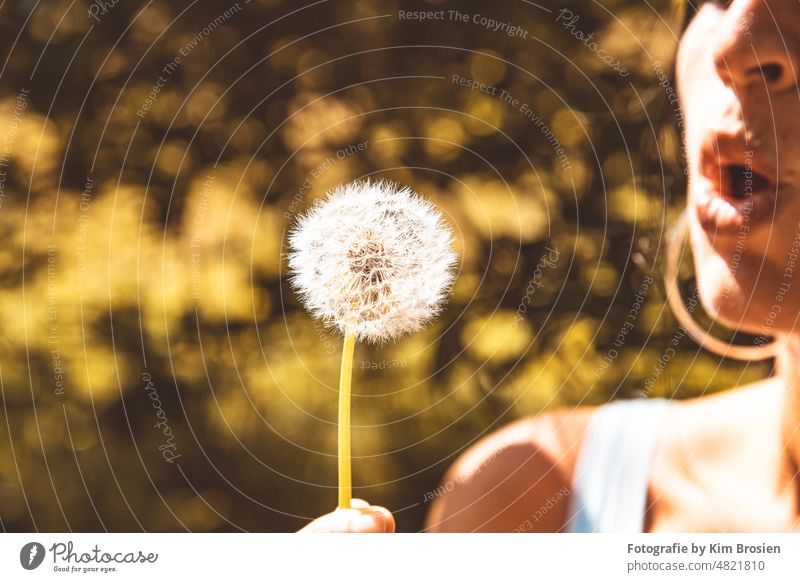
737,74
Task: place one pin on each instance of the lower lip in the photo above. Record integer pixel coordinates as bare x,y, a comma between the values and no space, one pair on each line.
723,215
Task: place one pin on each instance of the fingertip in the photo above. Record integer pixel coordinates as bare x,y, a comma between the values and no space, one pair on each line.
360,517
388,518
374,522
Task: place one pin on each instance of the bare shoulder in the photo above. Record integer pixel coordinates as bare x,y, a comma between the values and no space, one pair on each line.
724,426
519,477
720,452
515,479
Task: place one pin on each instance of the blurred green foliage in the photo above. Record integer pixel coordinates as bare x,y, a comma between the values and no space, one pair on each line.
142,268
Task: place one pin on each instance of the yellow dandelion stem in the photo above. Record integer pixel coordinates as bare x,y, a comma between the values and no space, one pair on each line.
345,377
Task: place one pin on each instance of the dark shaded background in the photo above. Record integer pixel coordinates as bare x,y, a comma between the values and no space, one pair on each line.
156,295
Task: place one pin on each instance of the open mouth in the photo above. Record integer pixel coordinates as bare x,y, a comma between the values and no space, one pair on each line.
740,182
734,195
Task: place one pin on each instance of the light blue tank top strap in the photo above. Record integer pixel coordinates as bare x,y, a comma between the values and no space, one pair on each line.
609,486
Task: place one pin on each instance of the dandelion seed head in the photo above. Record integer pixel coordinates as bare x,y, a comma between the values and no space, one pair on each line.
373,259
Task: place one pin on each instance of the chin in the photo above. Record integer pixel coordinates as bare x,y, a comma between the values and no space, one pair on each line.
731,300
726,309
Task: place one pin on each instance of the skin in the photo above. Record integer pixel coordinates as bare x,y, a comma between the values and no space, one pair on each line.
726,462
361,518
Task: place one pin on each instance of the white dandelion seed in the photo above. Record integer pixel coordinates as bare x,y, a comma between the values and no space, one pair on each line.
373,259
376,261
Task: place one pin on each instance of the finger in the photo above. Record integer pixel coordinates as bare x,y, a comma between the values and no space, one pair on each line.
361,518
374,518
370,521
387,516
336,521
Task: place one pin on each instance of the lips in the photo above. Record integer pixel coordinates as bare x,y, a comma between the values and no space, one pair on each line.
737,188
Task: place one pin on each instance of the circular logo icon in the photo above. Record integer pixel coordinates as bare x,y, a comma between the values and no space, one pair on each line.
31,555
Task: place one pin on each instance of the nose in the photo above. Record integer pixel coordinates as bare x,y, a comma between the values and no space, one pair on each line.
755,50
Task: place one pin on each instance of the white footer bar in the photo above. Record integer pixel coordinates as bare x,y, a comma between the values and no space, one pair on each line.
406,557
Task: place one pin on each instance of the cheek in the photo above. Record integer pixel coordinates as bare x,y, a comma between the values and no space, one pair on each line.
699,87
688,60
695,94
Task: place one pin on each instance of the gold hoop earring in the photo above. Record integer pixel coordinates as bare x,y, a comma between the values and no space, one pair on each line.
684,316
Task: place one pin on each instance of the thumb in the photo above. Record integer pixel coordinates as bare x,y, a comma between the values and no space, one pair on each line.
360,518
